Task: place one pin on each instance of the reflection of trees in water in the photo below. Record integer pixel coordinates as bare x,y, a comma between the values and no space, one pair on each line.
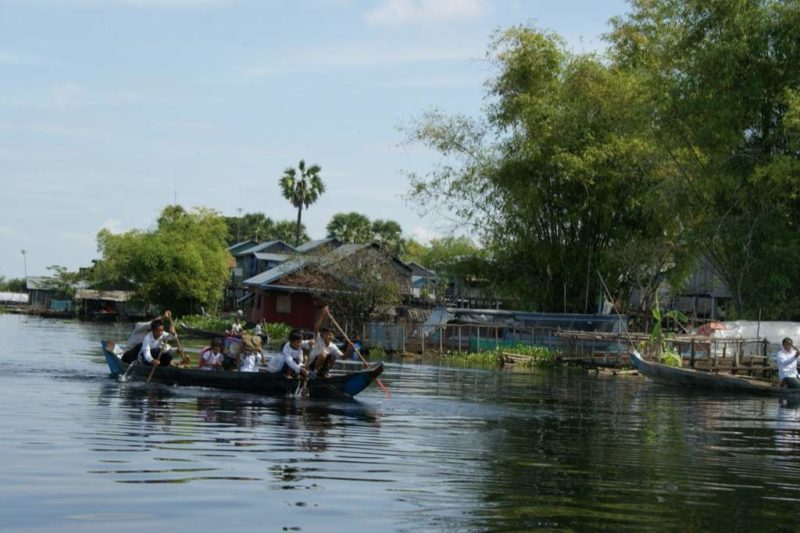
615,455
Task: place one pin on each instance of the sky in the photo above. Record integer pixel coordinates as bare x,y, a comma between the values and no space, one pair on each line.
112,109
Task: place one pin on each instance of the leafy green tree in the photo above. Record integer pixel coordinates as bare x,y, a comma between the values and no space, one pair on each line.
62,281
301,186
350,227
181,264
560,177
13,284
261,228
285,230
389,235
723,106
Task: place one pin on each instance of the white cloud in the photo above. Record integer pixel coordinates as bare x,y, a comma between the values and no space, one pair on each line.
401,12
6,231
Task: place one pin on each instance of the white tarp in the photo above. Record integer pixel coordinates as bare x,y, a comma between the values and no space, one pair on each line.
773,331
14,297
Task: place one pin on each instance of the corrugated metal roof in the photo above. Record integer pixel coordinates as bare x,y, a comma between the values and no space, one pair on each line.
272,257
263,246
276,273
239,246
289,267
312,245
39,283
111,296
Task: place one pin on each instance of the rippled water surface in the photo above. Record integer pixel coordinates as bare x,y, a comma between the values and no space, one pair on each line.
453,449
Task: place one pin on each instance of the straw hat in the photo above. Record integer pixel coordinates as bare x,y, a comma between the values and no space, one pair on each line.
252,343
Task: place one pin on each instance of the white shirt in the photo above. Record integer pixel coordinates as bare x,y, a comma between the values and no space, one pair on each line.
150,343
211,358
320,349
249,362
787,363
237,328
289,356
140,331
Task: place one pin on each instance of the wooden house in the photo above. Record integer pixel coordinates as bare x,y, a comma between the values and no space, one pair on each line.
293,291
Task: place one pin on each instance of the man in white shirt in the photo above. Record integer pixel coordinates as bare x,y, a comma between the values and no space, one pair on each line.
325,352
291,357
786,359
155,351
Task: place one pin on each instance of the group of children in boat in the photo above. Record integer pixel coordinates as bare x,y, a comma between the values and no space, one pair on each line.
242,352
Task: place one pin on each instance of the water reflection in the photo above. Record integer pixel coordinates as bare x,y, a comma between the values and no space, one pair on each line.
473,450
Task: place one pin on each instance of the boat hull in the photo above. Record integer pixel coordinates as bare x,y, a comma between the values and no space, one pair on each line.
686,377
346,385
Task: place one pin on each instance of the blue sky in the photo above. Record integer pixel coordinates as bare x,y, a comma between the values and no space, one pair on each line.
112,109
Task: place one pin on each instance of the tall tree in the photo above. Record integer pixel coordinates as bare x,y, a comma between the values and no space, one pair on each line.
561,176
301,186
723,95
389,235
350,227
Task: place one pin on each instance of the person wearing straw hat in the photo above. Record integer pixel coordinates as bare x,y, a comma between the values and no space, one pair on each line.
251,356
786,359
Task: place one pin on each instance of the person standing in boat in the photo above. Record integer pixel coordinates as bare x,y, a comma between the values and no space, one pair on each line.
291,357
155,351
251,357
786,359
325,352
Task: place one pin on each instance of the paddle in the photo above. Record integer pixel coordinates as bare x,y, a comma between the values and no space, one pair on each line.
378,381
184,358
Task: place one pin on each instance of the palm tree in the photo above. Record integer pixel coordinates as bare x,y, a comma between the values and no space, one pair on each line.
301,186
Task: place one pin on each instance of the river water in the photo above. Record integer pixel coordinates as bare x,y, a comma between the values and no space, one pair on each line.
452,450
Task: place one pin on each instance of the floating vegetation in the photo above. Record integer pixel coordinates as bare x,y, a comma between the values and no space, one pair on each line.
523,355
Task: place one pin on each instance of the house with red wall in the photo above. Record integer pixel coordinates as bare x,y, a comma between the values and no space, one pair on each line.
290,292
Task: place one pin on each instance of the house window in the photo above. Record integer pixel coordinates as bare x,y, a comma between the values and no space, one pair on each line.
283,304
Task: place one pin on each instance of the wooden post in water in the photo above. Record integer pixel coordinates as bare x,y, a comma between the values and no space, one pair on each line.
691,351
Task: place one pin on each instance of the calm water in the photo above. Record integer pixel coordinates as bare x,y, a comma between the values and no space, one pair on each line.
453,450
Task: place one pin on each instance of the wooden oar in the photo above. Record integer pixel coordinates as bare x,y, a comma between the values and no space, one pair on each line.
366,364
150,375
184,357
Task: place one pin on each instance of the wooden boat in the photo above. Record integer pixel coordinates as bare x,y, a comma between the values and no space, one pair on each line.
342,385
706,380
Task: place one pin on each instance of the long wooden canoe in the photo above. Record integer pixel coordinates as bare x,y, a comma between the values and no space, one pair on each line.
688,377
346,384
